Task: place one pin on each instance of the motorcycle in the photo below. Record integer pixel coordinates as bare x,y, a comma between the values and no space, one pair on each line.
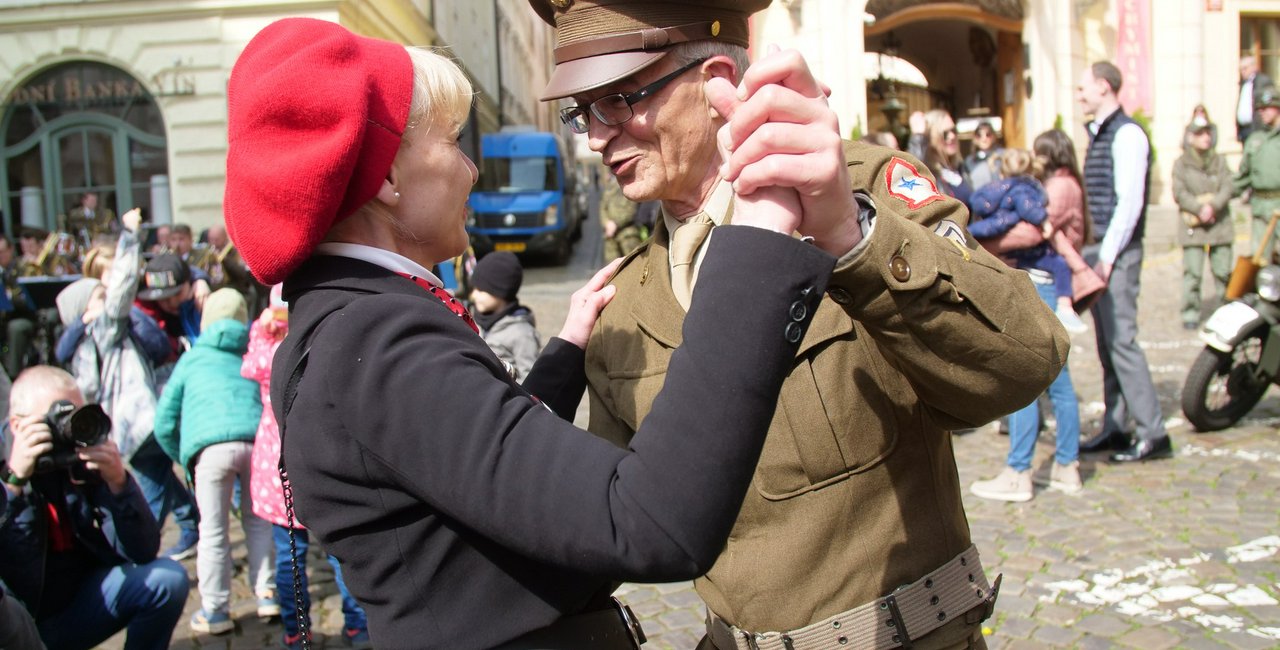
1241,357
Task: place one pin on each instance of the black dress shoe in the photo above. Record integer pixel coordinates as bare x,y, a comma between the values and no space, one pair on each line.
1113,441
1145,449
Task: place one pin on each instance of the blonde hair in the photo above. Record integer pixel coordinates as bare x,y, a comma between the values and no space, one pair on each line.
441,98
1019,162
935,155
97,261
442,93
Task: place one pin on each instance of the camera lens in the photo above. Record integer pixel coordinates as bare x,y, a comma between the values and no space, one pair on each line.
89,425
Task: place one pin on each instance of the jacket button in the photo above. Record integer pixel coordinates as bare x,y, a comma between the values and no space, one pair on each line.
840,296
794,332
900,269
798,311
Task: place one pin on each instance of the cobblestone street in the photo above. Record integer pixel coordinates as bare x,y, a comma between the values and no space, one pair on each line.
1181,553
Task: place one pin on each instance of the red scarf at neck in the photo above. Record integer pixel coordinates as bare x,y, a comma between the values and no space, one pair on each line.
448,300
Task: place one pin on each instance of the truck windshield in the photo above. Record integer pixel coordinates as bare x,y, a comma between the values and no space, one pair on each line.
517,175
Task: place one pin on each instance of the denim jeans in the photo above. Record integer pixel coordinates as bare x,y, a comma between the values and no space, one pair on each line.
352,613
217,468
147,599
1024,424
153,469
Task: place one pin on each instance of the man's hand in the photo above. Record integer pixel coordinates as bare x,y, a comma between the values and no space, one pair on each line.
104,458
31,440
781,133
610,229
1104,271
1206,214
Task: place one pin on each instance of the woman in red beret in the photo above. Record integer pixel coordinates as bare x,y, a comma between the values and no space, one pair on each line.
466,509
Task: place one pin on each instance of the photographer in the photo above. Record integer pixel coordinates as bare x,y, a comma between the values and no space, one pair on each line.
78,546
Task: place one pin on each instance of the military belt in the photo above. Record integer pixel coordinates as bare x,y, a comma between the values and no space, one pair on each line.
1266,194
614,628
910,612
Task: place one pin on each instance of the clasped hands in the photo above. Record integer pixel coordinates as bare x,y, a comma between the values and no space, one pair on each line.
783,153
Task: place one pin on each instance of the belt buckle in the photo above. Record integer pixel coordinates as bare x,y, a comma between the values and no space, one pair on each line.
630,621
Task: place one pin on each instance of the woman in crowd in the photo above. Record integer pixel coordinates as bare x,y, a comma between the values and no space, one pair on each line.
465,513
934,141
1066,214
1202,187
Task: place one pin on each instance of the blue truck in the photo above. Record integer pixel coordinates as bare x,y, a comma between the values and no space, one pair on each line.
525,201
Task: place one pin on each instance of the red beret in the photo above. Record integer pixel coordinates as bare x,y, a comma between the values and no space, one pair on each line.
315,117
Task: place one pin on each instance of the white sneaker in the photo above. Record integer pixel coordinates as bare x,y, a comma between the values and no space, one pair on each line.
1010,485
1063,478
1071,321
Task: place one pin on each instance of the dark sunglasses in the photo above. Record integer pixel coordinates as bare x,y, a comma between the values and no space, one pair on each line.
615,109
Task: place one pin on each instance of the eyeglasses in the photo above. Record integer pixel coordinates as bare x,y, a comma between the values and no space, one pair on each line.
983,134
615,109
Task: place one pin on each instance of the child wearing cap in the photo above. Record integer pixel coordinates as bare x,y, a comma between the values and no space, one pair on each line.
507,326
265,336
206,420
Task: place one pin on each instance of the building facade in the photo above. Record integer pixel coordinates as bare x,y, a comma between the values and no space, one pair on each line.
128,99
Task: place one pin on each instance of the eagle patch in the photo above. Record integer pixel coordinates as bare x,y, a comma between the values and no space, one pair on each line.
905,183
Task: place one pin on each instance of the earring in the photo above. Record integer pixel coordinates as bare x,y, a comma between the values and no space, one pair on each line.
397,195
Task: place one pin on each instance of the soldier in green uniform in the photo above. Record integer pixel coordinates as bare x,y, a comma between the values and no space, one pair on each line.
853,533
1259,173
622,234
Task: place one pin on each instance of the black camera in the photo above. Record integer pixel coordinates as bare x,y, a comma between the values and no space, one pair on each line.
72,429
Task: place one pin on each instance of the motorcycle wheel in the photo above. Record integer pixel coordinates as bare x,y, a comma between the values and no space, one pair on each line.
1222,387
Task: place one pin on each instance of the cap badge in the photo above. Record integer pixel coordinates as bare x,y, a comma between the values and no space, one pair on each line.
562,5
715,28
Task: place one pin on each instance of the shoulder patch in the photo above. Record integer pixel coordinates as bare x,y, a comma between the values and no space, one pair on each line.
904,182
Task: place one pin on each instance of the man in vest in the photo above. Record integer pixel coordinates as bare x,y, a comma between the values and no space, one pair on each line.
853,533
1259,173
1116,176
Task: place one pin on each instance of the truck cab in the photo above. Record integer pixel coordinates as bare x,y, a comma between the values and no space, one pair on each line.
525,200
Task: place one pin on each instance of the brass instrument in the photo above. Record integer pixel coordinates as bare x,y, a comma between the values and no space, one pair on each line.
31,268
53,257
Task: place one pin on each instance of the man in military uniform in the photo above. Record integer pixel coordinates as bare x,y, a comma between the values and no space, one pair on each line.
853,533
622,234
86,221
1259,173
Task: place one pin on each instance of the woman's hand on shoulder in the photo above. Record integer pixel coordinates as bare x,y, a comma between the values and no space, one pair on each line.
586,303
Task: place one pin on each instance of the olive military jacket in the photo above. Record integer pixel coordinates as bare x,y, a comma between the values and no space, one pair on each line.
1260,164
1200,178
856,492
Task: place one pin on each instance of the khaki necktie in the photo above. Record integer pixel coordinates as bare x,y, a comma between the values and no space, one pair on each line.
685,242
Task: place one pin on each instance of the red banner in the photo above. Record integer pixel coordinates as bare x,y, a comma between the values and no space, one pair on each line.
1133,55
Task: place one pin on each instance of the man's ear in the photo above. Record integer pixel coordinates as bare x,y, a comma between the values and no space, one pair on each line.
718,66
721,66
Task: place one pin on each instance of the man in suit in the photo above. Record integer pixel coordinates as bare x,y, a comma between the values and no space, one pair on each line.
1253,83
920,331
